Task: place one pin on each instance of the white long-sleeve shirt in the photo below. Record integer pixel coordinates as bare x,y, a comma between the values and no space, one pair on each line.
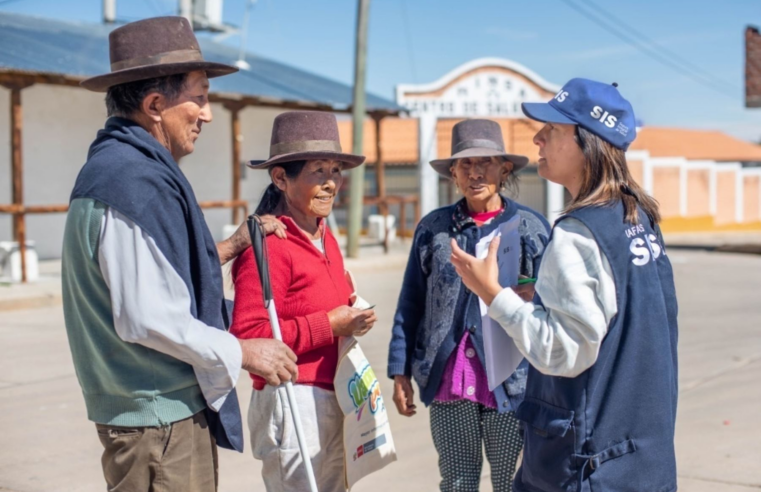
575,283
151,307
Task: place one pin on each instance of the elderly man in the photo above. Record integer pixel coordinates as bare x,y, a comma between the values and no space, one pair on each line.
142,286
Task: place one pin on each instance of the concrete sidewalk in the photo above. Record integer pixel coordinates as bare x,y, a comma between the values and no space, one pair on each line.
45,292
48,445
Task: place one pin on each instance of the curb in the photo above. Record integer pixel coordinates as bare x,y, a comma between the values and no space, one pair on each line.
747,249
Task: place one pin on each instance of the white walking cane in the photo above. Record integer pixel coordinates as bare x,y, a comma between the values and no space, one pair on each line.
256,230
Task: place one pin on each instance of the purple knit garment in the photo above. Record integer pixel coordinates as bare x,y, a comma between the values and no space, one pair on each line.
465,377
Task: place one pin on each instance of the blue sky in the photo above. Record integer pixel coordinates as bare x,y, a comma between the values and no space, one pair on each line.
417,41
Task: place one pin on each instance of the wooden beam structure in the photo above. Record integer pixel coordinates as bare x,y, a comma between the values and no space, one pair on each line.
17,175
236,140
17,166
17,81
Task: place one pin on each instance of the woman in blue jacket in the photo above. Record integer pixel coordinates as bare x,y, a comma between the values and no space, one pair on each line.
437,336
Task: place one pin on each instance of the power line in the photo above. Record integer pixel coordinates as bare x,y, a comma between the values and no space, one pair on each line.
153,6
674,56
647,50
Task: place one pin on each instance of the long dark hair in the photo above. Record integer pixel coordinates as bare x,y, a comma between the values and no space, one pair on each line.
272,197
607,179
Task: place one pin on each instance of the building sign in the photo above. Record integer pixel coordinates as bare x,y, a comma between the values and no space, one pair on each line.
487,87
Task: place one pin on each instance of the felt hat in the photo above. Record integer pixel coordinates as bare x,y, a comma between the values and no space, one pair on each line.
150,48
477,138
302,135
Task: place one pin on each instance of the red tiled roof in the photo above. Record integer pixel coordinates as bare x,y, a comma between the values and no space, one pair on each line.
695,144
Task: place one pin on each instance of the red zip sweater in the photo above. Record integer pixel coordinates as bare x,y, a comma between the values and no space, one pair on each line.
306,284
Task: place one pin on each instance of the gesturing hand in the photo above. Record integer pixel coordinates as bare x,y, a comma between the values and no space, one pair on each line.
404,396
347,321
270,359
480,276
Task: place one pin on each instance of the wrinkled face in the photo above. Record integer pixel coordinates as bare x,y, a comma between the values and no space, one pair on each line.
314,190
182,118
479,178
560,157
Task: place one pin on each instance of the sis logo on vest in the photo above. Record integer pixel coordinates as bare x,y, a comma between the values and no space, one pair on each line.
597,107
645,249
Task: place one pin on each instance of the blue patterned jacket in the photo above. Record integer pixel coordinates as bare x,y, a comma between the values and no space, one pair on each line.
435,308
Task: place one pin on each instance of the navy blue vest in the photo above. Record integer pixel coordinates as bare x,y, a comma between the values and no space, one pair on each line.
612,427
129,170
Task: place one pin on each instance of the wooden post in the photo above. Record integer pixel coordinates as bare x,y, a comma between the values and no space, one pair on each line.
380,178
357,183
237,138
17,172
380,165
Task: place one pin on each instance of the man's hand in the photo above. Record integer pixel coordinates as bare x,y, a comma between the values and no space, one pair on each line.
270,359
348,321
480,276
231,247
272,225
404,396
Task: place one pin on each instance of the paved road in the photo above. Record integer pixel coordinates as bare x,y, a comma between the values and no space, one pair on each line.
47,444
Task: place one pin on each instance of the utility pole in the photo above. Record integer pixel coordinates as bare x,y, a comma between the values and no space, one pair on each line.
109,11
357,188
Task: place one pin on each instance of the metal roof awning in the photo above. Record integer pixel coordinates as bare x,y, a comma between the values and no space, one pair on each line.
63,53
35,50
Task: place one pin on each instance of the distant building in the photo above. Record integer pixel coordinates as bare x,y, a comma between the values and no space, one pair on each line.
486,87
704,180
44,60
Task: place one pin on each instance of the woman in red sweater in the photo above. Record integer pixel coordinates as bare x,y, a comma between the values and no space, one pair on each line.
313,296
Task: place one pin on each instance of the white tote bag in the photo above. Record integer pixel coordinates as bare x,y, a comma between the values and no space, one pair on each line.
368,445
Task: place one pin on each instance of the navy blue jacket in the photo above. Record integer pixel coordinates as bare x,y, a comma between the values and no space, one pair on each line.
435,308
130,171
612,427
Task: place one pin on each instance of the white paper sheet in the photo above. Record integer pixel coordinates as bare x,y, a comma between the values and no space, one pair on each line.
502,356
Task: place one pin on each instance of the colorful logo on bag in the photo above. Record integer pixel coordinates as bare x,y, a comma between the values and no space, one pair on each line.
363,388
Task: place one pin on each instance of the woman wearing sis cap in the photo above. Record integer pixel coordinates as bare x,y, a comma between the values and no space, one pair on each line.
601,338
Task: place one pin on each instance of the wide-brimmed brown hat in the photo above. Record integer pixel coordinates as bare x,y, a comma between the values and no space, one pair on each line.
301,135
477,138
150,48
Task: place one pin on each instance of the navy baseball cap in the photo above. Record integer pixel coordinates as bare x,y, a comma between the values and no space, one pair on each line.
595,106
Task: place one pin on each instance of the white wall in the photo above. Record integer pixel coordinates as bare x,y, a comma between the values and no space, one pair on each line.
61,122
